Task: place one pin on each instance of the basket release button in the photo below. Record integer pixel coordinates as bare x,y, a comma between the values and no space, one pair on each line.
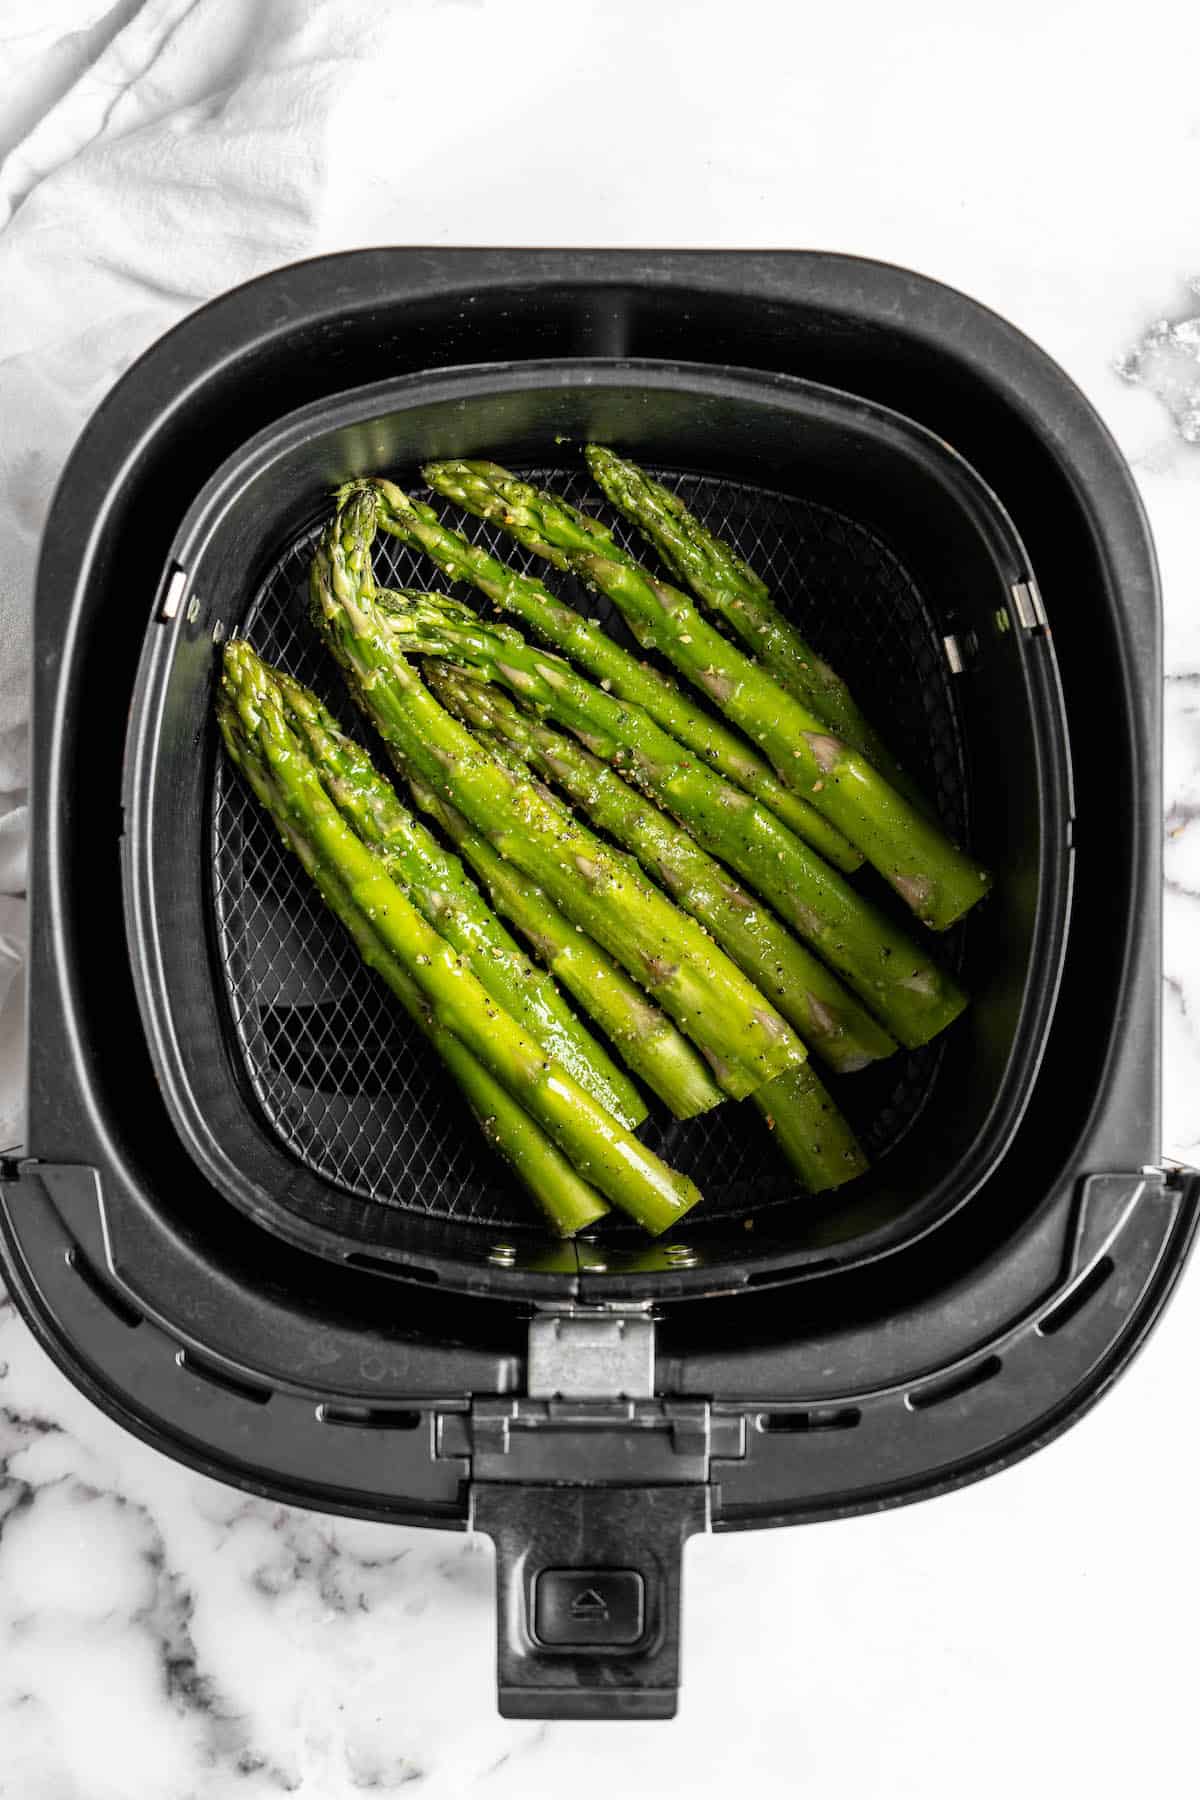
579,1607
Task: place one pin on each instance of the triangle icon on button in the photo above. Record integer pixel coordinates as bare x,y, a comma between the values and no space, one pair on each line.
589,1605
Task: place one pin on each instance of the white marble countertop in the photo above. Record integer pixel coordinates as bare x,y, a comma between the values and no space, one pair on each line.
168,1638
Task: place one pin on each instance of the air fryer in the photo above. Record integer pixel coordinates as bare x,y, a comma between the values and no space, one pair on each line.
249,1224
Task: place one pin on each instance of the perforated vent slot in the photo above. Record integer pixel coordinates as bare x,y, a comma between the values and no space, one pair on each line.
104,1290
220,1378
369,1418
937,1393
1074,1301
818,1418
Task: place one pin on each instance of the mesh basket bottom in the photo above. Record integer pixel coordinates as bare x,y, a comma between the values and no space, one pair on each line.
347,1084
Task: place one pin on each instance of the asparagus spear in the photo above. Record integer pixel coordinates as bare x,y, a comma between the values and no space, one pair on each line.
728,586
810,1131
653,1047
935,878
813,1136
742,1037
446,897
601,1149
895,978
830,1020
607,662
565,1197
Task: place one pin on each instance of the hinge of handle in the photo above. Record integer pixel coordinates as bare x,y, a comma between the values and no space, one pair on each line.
591,1353
589,1414
175,589
1030,607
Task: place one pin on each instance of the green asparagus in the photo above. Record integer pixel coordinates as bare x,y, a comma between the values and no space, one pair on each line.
812,1134
935,878
566,1199
607,662
653,1047
601,1149
743,1038
449,901
890,974
831,1022
728,586
814,1138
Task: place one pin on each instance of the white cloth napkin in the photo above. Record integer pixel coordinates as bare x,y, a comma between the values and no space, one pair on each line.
155,155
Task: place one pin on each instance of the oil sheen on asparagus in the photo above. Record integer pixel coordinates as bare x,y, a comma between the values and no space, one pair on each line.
438,886
649,1043
565,1198
810,1131
832,1023
607,662
728,586
704,987
744,1039
891,974
930,873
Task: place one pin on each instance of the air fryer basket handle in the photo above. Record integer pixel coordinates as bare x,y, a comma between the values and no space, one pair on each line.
588,1583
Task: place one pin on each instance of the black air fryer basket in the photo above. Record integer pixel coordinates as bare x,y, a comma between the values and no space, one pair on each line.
251,1223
